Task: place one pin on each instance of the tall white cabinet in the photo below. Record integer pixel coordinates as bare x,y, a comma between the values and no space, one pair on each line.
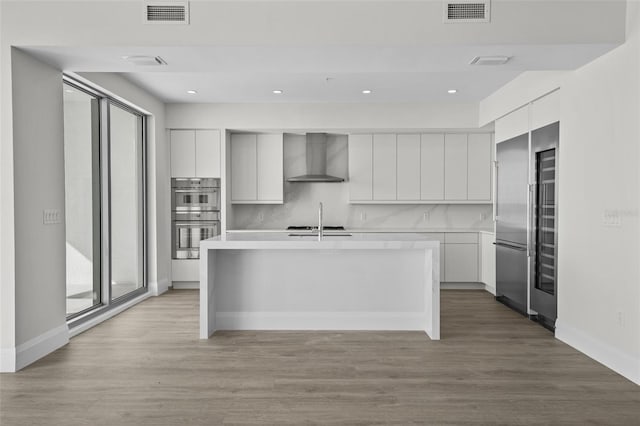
420,168
195,153
257,175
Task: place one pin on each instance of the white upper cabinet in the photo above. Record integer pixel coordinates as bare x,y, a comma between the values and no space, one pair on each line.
384,167
257,169
479,167
195,153
207,153
361,167
183,153
420,168
545,110
455,166
243,167
270,177
408,165
432,166
513,124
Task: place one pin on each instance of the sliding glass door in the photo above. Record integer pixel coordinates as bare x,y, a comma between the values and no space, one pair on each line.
126,204
105,201
82,199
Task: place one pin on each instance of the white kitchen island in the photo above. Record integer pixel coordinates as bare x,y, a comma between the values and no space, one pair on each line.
272,281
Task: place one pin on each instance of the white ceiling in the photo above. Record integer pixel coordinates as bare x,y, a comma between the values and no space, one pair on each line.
231,74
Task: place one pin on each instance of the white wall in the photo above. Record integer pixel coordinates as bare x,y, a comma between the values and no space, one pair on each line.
599,268
39,184
599,162
323,116
7,256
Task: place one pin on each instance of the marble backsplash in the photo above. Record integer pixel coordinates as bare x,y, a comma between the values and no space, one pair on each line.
301,201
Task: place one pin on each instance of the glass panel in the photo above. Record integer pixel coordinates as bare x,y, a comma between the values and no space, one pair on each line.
82,199
545,221
126,201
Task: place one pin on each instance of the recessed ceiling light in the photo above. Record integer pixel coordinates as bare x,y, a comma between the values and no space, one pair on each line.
366,92
452,91
191,92
277,92
69,91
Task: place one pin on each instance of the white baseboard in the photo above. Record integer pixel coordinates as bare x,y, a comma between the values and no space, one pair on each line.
461,286
8,360
490,289
620,362
40,346
86,325
158,287
321,321
186,285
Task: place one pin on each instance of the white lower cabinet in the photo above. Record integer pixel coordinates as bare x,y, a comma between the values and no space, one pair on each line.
488,261
185,270
461,257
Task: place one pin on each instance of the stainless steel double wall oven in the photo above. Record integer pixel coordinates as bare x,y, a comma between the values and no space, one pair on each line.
195,211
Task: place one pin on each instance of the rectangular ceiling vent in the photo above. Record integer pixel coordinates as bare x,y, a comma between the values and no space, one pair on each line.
169,12
461,11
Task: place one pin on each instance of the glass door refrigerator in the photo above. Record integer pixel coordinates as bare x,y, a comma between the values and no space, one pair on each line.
543,229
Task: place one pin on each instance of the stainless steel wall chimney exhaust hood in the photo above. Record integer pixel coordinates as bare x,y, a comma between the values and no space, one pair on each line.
316,161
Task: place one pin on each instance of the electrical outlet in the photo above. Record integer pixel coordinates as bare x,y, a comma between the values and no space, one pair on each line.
261,217
483,216
51,216
426,216
363,216
620,318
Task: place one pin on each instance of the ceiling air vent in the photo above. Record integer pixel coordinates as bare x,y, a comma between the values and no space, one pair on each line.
159,12
490,60
467,11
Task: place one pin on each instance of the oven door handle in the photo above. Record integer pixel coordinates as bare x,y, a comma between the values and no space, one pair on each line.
199,190
210,224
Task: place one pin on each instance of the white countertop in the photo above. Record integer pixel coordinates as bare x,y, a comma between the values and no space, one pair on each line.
281,240
375,230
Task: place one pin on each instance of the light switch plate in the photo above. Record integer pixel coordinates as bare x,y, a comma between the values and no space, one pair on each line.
51,216
611,218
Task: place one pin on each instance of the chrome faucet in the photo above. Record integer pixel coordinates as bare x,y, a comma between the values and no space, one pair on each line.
320,226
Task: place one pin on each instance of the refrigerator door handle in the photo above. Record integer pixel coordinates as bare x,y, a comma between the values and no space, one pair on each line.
510,246
495,191
532,213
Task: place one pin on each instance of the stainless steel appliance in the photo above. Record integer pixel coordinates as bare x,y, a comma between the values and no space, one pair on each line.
316,161
543,235
512,177
195,205
526,226
195,194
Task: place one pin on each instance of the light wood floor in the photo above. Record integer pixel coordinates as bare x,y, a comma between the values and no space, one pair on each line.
148,367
